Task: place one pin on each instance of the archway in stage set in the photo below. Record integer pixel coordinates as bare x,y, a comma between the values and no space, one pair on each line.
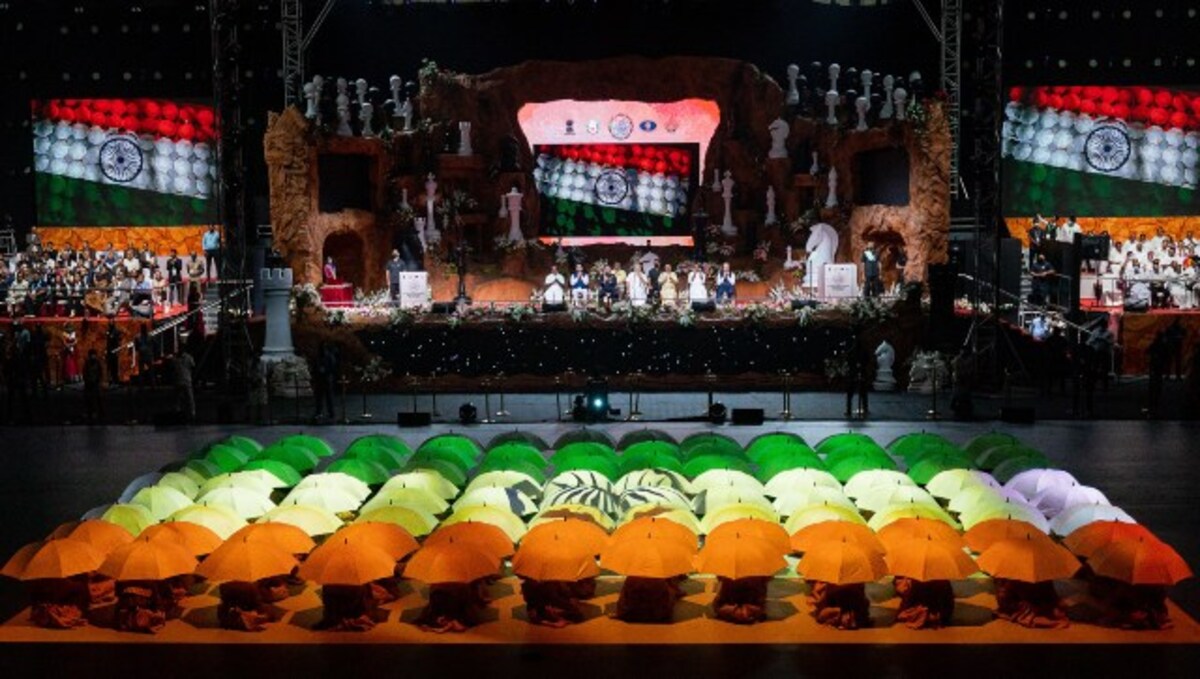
346,248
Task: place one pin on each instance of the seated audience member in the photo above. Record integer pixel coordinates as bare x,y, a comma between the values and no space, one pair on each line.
59,603
647,600
140,608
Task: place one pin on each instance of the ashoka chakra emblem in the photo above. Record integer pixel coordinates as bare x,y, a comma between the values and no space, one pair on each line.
1107,148
611,187
120,159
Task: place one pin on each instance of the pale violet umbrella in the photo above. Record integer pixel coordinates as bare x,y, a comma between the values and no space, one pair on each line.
1059,498
1081,515
143,481
1033,481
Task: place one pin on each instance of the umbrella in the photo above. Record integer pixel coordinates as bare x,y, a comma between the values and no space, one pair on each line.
344,563
572,511
246,561
643,435
451,562
226,458
1028,560
131,517
414,521
282,471
580,477
773,441
726,478
102,535
987,533
646,555
312,520
371,441
413,498
657,527
161,501
887,515
593,537
584,435
864,481
462,448
1033,481
145,559
836,531
1087,539
653,478
506,498
836,441
799,498
820,513
650,455
710,443
994,457
846,469
485,537
799,478
1140,561
354,486
598,498
503,519
506,479
427,479
715,498
736,511
841,563
193,537
558,554
667,497
862,450
949,483
1058,498
514,452
969,500
285,536
776,462
652,448
1009,469
180,482
773,533
902,531
516,436
368,471
603,465
682,517
240,501
199,470
20,559
700,464
932,465
251,481
911,446
501,465
447,462
397,542
332,498
244,443
217,519
143,481
879,498
929,559
736,556
1081,515
316,446
56,558
387,451
63,530
989,440
1009,512
299,458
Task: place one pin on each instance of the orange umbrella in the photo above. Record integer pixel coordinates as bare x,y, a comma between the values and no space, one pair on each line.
145,559
987,533
389,537
592,536
841,563
559,553
489,539
61,558
246,561
648,555
836,531
654,527
346,563
929,559
64,529
735,556
102,535
195,538
1028,559
901,531
1140,561
285,536
771,532
1086,540
451,562
18,561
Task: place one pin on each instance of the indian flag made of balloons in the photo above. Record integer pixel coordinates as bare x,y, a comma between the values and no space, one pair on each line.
1101,151
123,162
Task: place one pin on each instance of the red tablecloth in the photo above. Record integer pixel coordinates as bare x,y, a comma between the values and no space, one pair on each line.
341,294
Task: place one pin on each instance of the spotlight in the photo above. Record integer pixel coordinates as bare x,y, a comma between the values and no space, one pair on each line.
467,414
717,413
592,404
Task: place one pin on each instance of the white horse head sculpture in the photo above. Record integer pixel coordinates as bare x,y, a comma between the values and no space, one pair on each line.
821,248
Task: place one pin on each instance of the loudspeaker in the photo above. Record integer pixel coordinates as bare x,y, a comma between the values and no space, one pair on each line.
169,418
747,416
798,304
442,308
701,307
553,308
413,419
1015,415
941,291
1092,246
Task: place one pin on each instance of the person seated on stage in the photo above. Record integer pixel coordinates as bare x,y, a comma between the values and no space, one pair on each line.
726,285
242,607
647,600
347,608
620,275
554,288
1039,328
131,263
148,260
551,603
159,283
1157,279
1029,604
609,288
1177,285
924,605
59,603
395,267
141,300
637,286
452,607
742,601
18,293
1126,606
668,286
579,286
697,285
329,272
1043,273
840,606
140,608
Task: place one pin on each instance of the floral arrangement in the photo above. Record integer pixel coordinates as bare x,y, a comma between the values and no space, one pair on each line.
372,371
686,317
756,312
747,275
305,297
453,205
336,318
802,222
400,317
579,314
804,317
837,367
520,312
762,251
869,310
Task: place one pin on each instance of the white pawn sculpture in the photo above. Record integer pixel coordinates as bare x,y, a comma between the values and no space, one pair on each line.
360,91
513,201
793,94
394,84
901,97
364,116
831,100
406,112
343,111
789,263
885,358
716,185
503,214
318,84
867,77
419,225
834,70
831,200
431,233
771,218
886,111
404,198
861,105
815,168
464,138
310,101
727,226
342,86
779,133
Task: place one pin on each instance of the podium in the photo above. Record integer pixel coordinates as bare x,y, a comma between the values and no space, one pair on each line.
414,289
840,281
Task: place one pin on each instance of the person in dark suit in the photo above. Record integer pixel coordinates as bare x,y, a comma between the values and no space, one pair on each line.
872,284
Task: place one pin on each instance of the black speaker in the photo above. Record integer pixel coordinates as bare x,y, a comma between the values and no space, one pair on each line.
701,307
413,419
442,308
798,304
941,291
553,308
747,416
169,418
1015,415
1009,276
1092,246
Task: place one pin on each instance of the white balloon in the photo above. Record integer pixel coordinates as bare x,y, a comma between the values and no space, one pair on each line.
41,146
1012,111
1023,152
62,131
96,136
41,163
91,173
183,148
1084,124
79,131
1059,158
1170,175
1170,155
164,147
181,167
183,185
1042,155
58,166
78,150
162,164
1063,138
203,187
75,169
199,168
1150,153
1048,119
1045,138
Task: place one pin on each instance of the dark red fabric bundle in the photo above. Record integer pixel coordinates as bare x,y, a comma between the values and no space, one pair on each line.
551,603
347,608
924,605
840,606
742,601
1135,607
139,609
1030,604
648,599
242,607
273,589
453,607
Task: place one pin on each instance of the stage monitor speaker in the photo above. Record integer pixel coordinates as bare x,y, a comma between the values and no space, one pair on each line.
798,304
1017,415
941,291
169,418
413,419
442,308
747,416
700,307
553,308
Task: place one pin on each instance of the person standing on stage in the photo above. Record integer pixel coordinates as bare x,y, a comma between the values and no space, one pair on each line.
697,285
637,285
195,272
1043,273
175,295
579,286
872,285
668,286
609,288
621,276
726,285
395,267
211,243
555,286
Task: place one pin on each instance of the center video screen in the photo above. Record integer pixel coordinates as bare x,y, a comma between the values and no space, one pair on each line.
616,192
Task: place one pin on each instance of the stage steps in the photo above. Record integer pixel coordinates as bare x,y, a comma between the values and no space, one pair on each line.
212,310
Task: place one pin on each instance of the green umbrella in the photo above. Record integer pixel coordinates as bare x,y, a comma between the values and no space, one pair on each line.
515,436
765,442
314,445
651,455
851,466
637,436
227,457
936,450
280,470
204,469
583,449
377,453
835,441
932,465
584,435
979,444
515,451
392,443
908,445
707,443
464,448
599,464
1013,466
855,450
702,463
244,443
773,464
447,470
995,456
301,459
444,454
370,473
514,465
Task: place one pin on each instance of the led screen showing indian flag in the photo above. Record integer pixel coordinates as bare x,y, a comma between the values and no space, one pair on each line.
124,162
1096,151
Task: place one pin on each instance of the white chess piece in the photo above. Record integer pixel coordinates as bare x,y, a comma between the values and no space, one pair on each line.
394,84
815,168
343,111
727,226
404,198
464,138
406,112
886,111
771,219
364,116
360,91
885,358
834,70
867,77
789,263
861,105
716,185
901,97
310,101
503,214
318,84
831,100
342,86
831,200
431,187
793,94
513,200
419,226
779,133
